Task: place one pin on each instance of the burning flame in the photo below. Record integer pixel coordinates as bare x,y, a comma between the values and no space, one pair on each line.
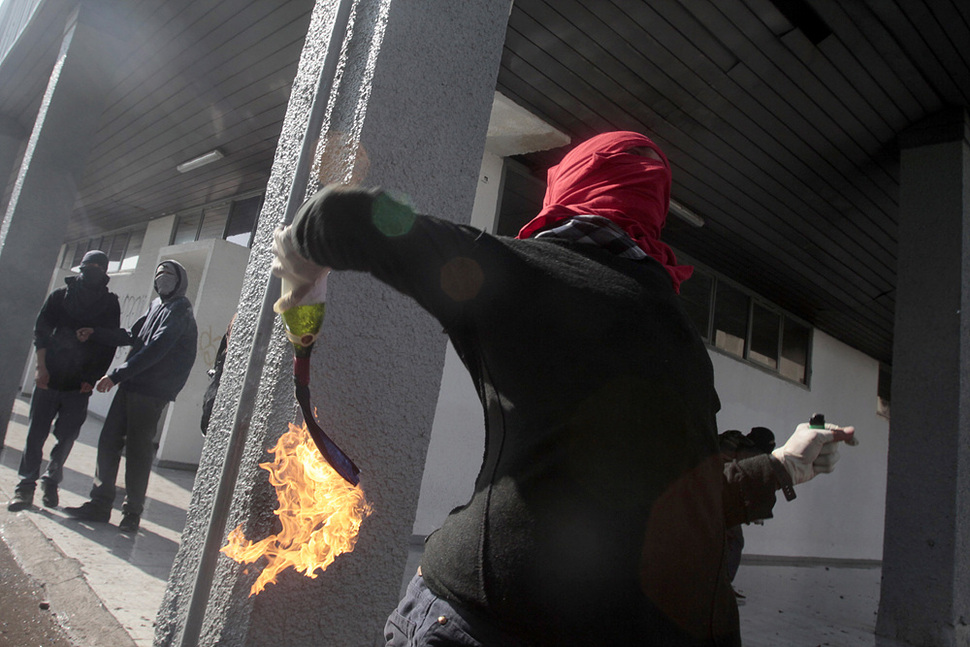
321,513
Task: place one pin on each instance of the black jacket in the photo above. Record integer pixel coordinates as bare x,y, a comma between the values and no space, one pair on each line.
70,362
599,512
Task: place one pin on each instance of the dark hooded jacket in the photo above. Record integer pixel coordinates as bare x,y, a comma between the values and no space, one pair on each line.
163,345
78,305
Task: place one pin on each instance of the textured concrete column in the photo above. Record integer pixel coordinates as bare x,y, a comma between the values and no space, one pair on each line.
44,193
926,556
11,143
407,109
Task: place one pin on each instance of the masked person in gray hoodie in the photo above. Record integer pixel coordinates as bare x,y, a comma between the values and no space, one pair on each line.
163,347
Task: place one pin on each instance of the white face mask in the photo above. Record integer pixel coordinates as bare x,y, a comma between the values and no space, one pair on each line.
166,283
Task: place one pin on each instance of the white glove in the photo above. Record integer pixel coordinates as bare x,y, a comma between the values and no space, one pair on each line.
300,275
812,451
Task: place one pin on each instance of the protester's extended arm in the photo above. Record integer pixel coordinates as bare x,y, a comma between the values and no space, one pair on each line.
108,336
98,357
811,451
431,260
750,483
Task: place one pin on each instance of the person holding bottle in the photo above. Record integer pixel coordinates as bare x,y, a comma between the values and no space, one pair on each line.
599,513
65,375
163,347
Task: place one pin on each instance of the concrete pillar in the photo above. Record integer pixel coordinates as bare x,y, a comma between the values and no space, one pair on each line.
44,192
401,92
925,596
11,145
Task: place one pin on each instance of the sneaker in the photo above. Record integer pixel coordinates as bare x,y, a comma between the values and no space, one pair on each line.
129,523
21,500
89,511
50,498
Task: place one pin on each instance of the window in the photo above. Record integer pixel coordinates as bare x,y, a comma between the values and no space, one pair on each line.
116,250
121,247
133,250
730,319
765,333
795,342
242,220
749,328
231,220
696,294
214,221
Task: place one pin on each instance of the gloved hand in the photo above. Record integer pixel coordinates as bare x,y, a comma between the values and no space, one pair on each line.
812,451
300,274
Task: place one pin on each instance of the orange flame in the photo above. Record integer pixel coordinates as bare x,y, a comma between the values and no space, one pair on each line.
321,513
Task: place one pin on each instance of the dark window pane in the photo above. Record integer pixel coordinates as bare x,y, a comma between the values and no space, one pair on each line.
765,326
522,195
214,221
79,252
133,250
730,319
186,229
242,220
696,296
794,351
68,256
116,253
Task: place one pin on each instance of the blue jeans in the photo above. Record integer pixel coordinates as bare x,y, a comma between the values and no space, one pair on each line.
422,619
70,408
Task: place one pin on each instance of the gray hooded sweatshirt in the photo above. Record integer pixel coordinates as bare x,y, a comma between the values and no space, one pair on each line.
163,344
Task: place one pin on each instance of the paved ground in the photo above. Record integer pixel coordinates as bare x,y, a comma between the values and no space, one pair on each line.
104,587
25,615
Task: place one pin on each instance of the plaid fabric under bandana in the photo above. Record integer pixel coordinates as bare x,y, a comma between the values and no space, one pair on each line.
596,230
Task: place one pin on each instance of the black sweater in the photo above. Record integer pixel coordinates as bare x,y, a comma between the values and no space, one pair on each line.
599,512
70,362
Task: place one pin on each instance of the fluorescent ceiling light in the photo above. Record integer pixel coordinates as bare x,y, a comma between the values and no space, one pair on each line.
201,160
685,214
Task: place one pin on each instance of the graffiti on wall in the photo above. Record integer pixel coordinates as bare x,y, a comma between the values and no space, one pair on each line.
209,341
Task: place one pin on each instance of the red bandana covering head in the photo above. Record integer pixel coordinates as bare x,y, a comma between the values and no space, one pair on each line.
600,178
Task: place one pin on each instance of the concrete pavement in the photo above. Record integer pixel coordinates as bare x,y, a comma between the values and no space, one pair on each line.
105,587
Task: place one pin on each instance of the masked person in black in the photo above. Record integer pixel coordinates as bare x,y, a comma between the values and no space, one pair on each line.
163,346
65,375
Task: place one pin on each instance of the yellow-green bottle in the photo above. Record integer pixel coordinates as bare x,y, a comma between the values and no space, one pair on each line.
303,321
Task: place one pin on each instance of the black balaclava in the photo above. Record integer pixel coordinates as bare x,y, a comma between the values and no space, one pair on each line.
94,270
171,280
85,290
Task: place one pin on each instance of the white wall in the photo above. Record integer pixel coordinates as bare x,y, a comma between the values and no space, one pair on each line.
216,269
837,515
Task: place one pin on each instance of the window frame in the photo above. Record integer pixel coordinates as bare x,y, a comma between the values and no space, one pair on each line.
754,299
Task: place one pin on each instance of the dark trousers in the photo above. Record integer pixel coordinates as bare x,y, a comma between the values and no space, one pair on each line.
70,408
130,428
